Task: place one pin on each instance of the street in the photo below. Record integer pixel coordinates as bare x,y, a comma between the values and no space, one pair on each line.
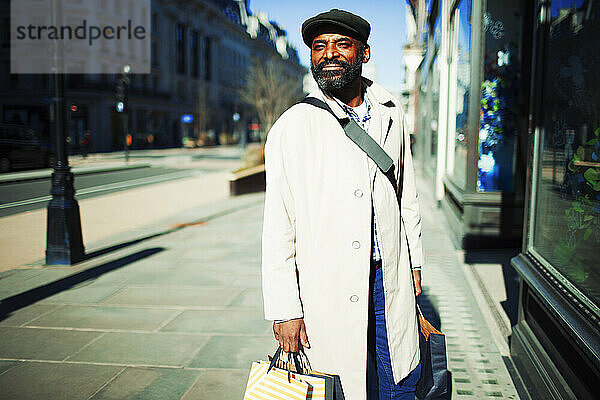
34,194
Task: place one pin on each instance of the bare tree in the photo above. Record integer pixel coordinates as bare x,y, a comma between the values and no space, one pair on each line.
270,90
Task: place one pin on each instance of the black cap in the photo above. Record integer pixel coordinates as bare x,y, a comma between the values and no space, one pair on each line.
335,21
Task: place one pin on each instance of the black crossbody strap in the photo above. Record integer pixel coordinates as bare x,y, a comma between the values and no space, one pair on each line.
363,140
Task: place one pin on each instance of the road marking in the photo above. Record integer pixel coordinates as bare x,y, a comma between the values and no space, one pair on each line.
104,188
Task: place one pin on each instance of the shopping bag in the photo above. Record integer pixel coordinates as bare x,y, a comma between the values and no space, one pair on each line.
434,383
265,383
322,385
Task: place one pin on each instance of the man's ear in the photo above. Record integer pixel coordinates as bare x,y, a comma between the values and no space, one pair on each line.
366,54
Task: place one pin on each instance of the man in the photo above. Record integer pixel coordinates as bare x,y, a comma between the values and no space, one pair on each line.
341,262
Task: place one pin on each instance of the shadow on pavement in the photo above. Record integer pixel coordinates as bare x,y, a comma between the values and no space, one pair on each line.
173,228
29,297
511,278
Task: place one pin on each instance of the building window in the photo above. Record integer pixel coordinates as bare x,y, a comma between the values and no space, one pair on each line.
155,25
207,59
195,45
458,124
565,216
180,48
155,56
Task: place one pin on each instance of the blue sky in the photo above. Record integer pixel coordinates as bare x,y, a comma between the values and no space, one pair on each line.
388,30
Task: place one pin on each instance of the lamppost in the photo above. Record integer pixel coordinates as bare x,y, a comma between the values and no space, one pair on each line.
64,241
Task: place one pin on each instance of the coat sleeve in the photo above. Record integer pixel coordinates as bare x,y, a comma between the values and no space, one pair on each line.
279,280
411,215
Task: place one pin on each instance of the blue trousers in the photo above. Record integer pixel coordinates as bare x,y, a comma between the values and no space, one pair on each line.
380,379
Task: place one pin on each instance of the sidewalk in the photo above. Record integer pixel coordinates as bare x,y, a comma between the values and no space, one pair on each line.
104,218
178,315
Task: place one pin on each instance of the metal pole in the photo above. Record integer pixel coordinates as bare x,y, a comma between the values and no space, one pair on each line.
126,133
64,241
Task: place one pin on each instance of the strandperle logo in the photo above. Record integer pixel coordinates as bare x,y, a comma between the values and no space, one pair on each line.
80,37
90,33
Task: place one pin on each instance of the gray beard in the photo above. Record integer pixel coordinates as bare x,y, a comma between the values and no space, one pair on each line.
329,81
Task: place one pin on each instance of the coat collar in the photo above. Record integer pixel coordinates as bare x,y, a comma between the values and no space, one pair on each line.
381,101
380,98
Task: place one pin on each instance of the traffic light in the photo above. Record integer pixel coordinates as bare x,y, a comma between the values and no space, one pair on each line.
122,90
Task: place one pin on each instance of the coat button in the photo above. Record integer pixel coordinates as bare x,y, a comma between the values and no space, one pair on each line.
358,193
354,298
356,244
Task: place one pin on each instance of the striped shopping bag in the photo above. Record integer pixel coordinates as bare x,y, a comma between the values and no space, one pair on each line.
274,384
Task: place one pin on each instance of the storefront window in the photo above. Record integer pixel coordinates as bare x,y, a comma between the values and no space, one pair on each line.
430,97
499,98
566,213
463,84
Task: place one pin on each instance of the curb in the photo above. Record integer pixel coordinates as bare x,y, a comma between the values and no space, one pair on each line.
85,170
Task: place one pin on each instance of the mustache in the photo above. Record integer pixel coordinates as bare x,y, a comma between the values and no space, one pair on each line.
319,67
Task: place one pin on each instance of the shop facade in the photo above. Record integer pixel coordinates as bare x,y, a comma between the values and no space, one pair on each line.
556,342
508,135
472,116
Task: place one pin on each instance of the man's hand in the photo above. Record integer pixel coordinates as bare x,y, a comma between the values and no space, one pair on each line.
417,281
291,335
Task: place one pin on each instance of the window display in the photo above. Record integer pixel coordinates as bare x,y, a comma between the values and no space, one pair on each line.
566,212
498,127
463,85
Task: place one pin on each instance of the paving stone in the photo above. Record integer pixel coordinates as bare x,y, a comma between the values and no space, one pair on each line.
42,344
105,317
218,384
233,352
249,298
248,281
6,365
250,322
148,349
196,278
149,384
202,296
24,315
52,381
83,295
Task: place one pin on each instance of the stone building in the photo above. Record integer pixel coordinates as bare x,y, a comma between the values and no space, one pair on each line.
201,52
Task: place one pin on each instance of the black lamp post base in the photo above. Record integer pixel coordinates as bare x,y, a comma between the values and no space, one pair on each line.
64,243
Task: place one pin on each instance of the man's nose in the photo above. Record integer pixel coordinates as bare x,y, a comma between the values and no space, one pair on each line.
331,51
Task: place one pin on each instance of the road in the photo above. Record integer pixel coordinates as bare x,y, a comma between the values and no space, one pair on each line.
30,195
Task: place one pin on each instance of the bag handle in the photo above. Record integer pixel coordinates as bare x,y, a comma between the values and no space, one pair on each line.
291,356
425,326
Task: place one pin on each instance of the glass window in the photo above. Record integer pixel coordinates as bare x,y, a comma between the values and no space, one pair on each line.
180,48
500,98
462,58
566,213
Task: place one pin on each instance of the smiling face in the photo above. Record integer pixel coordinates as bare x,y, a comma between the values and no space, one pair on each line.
336,60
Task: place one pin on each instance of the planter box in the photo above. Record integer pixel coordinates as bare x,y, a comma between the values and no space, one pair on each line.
249,180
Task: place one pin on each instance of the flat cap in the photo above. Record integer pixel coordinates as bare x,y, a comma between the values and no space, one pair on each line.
335,21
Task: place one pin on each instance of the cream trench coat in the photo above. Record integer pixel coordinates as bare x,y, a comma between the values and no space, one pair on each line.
316,244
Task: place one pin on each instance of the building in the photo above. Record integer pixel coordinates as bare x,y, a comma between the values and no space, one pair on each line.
201,52
508,134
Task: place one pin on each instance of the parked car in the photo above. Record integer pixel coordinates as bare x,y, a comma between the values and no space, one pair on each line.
21,147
